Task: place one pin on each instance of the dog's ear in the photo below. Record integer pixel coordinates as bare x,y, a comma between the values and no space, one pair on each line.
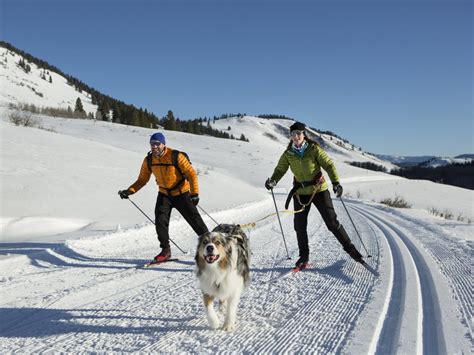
199,258
229,243
201,264
202,237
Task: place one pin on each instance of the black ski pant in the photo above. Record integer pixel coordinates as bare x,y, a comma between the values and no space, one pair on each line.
323,203
164,205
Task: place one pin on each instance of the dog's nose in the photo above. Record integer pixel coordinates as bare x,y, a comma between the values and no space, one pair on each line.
210,248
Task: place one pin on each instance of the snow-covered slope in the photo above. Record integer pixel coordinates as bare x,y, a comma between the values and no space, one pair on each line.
231,172
256,129
40,87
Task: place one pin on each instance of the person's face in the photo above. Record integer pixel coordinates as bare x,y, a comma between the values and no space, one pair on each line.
297,137
157,147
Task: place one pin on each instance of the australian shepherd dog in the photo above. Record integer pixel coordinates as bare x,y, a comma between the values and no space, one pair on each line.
222,268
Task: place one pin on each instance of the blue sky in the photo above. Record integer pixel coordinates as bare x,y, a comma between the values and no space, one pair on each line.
393,77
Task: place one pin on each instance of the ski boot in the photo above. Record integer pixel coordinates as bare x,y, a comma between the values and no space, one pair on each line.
163,256
302,263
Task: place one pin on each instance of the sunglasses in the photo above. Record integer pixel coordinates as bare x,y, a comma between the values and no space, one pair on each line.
155,143
296,133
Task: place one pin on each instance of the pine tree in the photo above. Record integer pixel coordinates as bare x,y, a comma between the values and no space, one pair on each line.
170,121
243,138
79,108
104,109
116,113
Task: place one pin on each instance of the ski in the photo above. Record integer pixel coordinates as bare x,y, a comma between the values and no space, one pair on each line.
281,276
156,263
290,272
298,269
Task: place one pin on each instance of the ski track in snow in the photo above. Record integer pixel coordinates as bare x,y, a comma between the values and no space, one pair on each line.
421,247
88,294
412,282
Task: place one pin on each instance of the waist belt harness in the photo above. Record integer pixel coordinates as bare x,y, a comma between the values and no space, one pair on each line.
317,180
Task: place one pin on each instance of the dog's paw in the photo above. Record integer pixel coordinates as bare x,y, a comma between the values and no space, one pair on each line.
229,327
213,322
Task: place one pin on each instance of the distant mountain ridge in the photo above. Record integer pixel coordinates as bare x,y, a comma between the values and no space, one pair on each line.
465,156
428,161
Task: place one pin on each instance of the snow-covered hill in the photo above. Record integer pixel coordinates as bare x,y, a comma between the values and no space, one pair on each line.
255,129
38,86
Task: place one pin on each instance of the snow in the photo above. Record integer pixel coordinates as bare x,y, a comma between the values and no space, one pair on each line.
19,87
70,248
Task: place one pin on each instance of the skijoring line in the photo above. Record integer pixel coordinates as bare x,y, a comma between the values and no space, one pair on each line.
253,224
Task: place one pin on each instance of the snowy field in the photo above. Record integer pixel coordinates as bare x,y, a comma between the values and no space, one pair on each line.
71,249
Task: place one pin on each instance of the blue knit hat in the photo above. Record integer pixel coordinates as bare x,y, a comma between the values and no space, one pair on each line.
158,136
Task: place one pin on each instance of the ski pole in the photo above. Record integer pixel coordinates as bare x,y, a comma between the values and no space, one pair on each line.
171,240
368,255
281,228
202,209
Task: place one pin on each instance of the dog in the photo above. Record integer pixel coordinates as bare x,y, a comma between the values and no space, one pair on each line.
222,268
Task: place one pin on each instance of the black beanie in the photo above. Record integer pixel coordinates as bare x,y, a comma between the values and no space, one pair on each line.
297,126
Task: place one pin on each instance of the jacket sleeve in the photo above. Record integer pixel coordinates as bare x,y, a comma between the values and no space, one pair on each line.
142,179
281,168
327,164
190,173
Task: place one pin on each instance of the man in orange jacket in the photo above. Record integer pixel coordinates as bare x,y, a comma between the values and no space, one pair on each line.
178,188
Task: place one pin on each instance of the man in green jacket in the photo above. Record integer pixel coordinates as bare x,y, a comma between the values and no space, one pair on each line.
305,158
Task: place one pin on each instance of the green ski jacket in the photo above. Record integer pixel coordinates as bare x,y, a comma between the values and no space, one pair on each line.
305,168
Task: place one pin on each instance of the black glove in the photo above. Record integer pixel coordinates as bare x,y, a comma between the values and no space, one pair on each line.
194,199
124,194
337,188
270,184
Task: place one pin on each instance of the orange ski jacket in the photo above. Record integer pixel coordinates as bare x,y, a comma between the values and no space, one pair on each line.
167,176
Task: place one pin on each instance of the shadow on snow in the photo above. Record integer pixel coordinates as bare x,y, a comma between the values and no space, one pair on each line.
45,255
38,322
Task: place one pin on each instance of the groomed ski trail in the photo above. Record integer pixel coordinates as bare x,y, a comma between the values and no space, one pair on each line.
87,296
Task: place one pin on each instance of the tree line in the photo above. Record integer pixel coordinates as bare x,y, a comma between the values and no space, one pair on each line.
459,174
369,166
453,174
